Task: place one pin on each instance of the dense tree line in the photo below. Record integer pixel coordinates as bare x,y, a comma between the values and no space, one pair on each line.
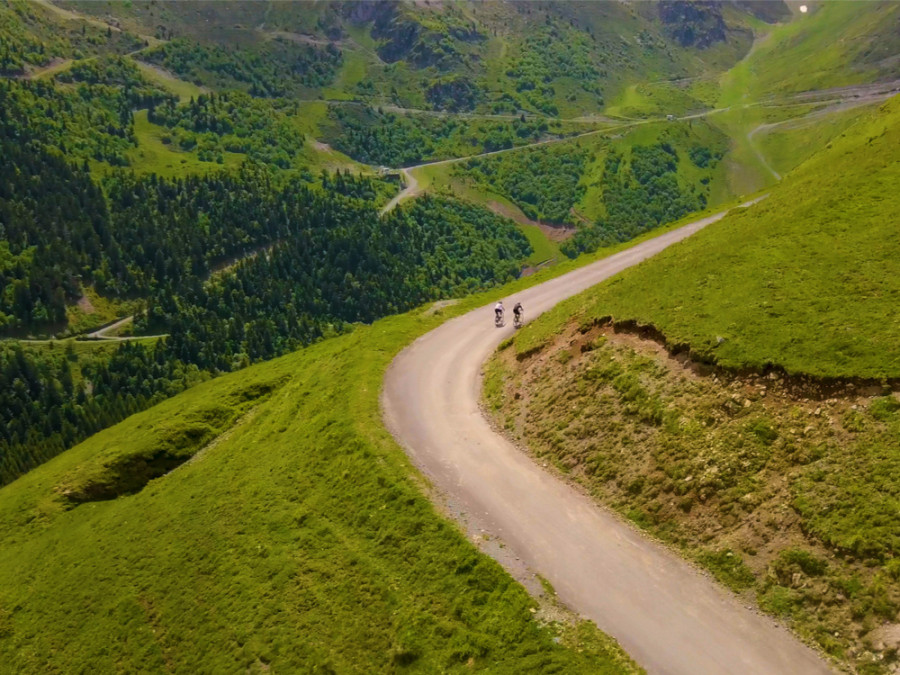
54,226
278,67
545,182
705,157
377,137
555,51
58,231
340,264
90,122
352,185
233,122
169,232
638,196
117,72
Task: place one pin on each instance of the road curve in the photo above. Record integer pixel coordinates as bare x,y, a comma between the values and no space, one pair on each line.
410,189
668,616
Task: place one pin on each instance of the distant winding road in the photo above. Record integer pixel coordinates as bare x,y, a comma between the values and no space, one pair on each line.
840,98
668,616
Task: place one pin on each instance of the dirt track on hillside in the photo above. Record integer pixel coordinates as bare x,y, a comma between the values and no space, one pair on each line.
666,614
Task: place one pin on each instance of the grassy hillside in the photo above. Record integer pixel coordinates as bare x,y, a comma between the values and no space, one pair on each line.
786,495
294,539
838,43
782,484
557,59
805,280
788,143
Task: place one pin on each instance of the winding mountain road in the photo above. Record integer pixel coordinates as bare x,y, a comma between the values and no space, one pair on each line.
840,98
667,615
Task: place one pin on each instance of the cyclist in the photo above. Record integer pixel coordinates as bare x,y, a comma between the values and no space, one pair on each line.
518,314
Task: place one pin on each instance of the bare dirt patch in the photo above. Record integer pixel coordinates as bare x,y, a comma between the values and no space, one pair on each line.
84,304
553,231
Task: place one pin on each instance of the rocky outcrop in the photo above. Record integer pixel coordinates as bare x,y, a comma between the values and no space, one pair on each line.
693,24
403,37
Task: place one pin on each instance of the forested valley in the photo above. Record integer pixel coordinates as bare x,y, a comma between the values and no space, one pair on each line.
230,266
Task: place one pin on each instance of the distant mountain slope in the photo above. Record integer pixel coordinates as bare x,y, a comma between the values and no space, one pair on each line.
837,43
121,199
553,58
806,280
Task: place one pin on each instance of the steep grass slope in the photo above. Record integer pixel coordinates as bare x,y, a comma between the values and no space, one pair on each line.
787,144
295,539
806,280
785,494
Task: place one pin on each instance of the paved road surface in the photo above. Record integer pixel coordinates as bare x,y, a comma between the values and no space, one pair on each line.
667,615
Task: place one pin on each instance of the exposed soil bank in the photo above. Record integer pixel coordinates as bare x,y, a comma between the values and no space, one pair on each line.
781,486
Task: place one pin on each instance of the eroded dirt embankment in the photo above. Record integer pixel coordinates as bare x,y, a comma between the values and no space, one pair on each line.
784,487
704,363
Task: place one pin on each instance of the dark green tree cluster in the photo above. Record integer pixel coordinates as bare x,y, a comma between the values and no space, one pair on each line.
118,72
59,233
545,182
53,229
555,51
638,197
233,122
351,185
377,137
278,67
704,157
92,122
455,93
340,264
167,233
